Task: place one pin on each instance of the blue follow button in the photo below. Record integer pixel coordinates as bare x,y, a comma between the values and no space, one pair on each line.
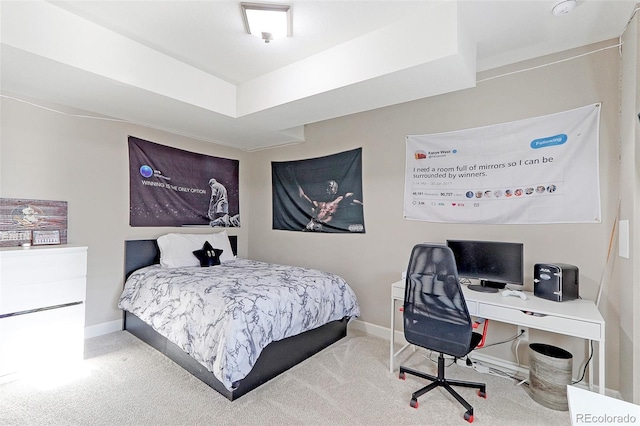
549,141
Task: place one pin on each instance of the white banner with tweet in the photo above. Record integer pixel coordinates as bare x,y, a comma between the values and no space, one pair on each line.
538,170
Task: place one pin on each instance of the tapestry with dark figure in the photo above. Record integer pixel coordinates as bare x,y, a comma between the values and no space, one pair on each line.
173,187
319,194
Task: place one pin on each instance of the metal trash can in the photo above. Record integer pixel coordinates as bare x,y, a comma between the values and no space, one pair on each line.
550,371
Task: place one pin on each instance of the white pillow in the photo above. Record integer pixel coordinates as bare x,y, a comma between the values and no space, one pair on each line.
221,241
176,250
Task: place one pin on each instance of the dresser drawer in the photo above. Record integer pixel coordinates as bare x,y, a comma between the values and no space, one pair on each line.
45,339
552,323
27,267
41,295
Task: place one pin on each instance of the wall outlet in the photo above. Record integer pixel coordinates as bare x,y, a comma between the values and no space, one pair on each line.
523,333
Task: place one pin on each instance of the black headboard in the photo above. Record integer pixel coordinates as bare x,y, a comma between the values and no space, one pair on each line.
141,253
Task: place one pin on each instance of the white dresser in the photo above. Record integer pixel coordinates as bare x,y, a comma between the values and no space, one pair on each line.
42,295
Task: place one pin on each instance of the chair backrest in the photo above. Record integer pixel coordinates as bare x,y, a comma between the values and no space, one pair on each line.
435,313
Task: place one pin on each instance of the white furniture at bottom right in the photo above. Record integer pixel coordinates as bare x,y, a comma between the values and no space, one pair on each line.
578,318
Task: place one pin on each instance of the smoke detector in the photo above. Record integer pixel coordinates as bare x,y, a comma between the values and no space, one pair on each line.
563,7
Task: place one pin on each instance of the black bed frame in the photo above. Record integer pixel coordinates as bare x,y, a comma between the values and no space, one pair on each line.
276,358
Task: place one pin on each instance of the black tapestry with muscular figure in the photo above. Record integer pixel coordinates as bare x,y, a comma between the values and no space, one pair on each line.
320,194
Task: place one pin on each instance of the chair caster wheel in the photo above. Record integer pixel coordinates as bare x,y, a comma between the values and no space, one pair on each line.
402,376
468,417
482,394
414,403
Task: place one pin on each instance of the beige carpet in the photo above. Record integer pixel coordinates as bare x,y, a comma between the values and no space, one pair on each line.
126,382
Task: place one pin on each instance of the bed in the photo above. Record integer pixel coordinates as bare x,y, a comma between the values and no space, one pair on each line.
142,258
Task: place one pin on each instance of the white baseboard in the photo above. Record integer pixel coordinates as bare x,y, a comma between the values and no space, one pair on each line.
103,328
374,330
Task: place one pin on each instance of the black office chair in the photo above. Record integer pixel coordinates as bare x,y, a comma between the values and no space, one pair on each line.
436,318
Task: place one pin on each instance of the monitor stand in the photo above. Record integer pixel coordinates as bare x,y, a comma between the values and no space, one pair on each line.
482,289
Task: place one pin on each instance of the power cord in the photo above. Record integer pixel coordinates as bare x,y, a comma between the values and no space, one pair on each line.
584,369
493,371
489,370
483,369
516,350
503,342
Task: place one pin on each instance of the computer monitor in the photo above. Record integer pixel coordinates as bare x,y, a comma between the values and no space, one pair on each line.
494,263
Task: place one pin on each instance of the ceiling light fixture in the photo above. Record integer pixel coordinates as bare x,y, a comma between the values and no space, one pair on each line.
563,7
267,20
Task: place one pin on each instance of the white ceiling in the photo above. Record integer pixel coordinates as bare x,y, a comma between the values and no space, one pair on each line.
189,67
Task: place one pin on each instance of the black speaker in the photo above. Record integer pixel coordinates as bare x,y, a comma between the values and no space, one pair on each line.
555,281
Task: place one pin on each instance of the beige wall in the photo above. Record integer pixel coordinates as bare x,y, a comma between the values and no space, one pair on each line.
371,262
47,155
52,156
627,271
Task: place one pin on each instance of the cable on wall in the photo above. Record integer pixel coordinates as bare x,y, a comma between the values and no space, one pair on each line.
633,14
66,113
619,46
548,64
118,120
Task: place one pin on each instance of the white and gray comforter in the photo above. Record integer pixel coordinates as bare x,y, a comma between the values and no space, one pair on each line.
225,315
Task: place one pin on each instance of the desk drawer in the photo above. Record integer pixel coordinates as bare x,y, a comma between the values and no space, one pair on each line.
397,292
552,323
472,307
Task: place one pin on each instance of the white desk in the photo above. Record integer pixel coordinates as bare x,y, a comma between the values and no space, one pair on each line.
577,318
